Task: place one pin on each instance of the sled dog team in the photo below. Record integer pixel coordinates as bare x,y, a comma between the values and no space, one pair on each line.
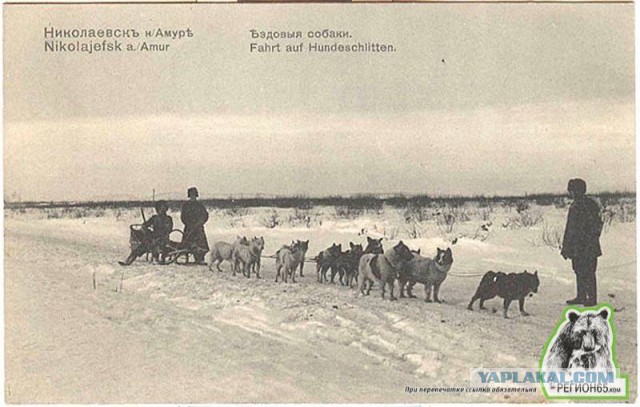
374,264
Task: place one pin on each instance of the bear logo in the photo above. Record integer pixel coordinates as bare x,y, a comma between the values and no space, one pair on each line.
582,342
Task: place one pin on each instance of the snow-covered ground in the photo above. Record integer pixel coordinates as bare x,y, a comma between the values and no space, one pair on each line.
184,334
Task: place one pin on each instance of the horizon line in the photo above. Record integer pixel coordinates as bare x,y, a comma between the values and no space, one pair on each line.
305,197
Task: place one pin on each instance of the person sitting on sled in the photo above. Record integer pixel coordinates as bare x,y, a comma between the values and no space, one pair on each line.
156,232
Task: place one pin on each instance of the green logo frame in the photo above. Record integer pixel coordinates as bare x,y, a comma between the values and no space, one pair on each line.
619,375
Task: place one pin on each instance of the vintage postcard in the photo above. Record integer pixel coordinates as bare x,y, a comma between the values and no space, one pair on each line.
319,203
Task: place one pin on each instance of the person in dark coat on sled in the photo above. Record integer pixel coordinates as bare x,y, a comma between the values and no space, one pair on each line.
155,236
194,215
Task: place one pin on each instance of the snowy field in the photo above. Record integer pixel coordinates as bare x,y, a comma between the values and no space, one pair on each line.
150,333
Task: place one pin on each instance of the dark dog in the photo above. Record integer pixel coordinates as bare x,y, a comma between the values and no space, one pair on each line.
507,286
328,259
348,264
339,269
374,246
352,259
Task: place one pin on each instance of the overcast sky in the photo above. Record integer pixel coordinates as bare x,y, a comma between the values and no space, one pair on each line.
478,99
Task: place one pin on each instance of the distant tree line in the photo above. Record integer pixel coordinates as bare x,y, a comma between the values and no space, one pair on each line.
363,201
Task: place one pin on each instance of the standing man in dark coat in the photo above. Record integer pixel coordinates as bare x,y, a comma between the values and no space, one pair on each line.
194,215
581,242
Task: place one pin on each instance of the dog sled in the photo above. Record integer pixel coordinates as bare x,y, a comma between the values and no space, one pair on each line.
142,242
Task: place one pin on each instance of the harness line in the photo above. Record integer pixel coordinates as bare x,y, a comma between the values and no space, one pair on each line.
478,274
